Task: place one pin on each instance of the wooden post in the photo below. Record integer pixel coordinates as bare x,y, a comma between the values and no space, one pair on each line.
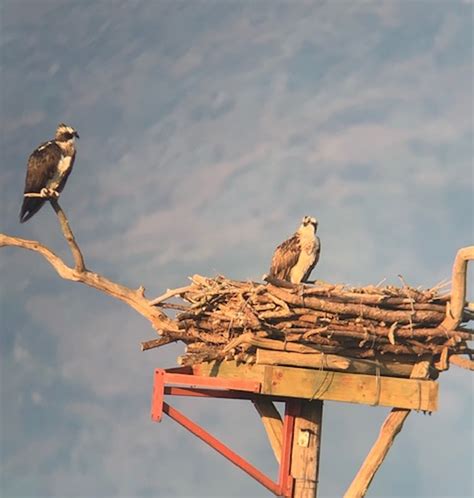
391,427
272,423
306,449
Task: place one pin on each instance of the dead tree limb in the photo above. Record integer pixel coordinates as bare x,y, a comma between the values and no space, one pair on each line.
458,293
133,297
69,236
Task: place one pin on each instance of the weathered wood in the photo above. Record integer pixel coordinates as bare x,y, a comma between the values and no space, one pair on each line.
80,266
327,385
458,292
459,361
232,317
306,449
262,342
317,360
358,310
156,343
334,362
133,297
272,423
170,293
391,427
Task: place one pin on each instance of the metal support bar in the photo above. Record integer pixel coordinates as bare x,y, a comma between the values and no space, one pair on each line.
230,389
292,410
221,448
191,382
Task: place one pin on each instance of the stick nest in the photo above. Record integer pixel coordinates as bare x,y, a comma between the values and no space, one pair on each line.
219,319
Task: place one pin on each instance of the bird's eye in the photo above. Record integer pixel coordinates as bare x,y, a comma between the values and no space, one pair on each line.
68,136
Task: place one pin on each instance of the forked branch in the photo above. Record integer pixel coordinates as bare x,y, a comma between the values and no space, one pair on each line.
133,297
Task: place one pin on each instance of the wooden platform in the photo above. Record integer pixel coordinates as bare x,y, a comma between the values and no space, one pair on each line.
309,383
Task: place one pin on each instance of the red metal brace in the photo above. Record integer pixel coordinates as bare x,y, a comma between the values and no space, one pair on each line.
212,387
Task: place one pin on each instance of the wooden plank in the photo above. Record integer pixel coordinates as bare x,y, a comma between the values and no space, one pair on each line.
229,370
317,360
334,362
333,386
272,423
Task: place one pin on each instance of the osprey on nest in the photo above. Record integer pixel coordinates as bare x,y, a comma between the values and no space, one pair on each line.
294,259
48,169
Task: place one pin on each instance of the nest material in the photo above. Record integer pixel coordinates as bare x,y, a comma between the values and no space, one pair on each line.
218,319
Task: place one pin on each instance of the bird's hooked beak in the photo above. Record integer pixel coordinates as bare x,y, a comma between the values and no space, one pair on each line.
76,134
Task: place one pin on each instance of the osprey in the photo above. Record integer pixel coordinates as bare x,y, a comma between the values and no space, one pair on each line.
48,169
294,259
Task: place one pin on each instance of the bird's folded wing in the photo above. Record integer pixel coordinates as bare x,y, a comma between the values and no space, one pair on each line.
42,166
285,258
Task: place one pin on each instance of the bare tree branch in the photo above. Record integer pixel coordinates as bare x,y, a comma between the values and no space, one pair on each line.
133,297
68,235
458,293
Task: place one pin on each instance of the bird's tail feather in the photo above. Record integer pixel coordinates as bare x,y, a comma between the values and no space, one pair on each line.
30,206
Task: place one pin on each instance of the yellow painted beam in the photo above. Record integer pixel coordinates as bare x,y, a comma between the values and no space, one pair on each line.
309,383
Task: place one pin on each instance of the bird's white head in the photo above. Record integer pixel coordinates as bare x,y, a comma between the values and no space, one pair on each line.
65,133
309,221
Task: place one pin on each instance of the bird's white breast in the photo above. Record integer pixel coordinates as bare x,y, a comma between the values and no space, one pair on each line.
309,249
63,166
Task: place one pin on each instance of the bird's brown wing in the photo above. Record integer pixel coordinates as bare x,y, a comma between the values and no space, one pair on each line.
41,168
284,258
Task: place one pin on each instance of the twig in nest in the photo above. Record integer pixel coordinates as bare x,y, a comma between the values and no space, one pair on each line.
459,361
170,293
410,299
156,343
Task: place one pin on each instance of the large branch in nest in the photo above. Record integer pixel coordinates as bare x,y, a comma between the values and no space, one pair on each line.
458,294
357,310
133,297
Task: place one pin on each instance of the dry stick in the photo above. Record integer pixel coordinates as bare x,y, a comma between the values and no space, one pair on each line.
458,293
380,300
171,293
391,427
133,297
459,361
156,343
323,361
357,310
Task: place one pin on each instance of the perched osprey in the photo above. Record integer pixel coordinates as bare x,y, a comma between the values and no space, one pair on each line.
48,169
294,259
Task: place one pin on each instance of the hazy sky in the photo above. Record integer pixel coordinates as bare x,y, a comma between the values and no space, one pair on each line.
208,129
